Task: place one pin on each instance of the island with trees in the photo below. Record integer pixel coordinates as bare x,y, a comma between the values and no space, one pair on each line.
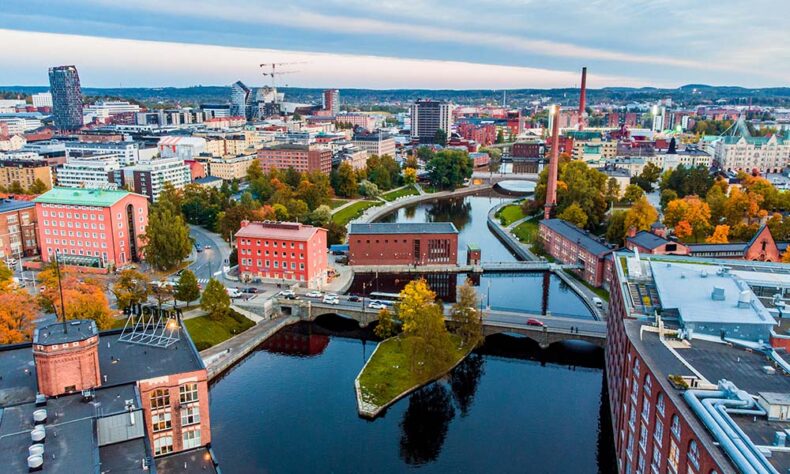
418,347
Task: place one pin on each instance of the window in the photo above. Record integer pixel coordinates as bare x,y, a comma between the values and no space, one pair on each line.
161,421
188,392
191,439
640,465
190,416
674,456
634,390
656,463
693,454
630,449
658,434
643,437
160,398
163,445
675,428
632,417
645,407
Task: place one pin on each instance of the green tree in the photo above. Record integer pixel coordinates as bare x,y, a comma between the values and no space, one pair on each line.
440,137
386,324
615,230
346,181
612,190
368,189
162,292
131,288
187,288
166,241
667,195
500,136
335,233
38,187
449,168
320,216
641,215
575,215
215,299
648,177
633,193
467,317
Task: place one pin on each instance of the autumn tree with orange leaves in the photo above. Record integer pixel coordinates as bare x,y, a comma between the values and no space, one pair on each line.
720,235
83,298
691,210
18,310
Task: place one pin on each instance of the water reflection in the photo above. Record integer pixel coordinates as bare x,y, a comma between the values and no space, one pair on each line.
464,380
424,424
458,211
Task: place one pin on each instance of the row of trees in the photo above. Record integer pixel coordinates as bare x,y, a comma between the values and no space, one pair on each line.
37,187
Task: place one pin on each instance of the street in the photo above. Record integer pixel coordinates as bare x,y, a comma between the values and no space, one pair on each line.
212,259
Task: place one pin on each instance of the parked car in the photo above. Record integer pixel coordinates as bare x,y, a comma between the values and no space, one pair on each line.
291,297
198,247
287,293
314,294
376,305
207,246
233,292
535,322
328,299
250,290
354,298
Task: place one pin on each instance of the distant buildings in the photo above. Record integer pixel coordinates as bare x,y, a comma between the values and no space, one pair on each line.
766,154
64,84
331,101
90,170
302,158
185,148
378,144
434,243
91,227
428,117
42,99
17,229
282,251
231,167
25,172
241,100
254,104
149,177
366,121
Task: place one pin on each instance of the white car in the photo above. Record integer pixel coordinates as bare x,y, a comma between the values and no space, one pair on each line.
233,292
329,299
287,293
314,294
376,305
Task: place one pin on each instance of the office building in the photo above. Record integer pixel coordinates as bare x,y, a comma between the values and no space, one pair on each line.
185,148
428,117
569,244
90,170
149,177
241,98
303,158
282,251
696,365
42,99
376,143
331,101
366,121
434,243
17,229
129,153
64,85
91,227
231,168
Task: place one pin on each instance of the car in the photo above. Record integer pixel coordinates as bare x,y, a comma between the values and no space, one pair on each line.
354,298
535,322
198,247
291,296
376,305
287,293
233,292
328,299
207,246
250,290
314,294
178,273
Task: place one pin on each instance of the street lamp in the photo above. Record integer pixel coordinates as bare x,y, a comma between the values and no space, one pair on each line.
60,288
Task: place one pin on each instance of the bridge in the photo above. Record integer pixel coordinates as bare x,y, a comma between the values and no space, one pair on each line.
554,328
509,267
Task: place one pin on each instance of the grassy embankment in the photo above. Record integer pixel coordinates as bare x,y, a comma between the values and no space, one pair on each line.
206,332
509,214
355,210
399,193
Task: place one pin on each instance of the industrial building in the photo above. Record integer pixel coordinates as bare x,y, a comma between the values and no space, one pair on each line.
433,243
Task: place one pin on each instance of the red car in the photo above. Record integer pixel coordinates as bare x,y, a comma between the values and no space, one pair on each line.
534,322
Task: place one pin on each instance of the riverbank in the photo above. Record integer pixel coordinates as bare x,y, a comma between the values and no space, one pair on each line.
376,213
386,377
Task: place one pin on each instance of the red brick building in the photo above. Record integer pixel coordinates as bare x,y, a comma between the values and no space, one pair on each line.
654,242
762,248
434,243
282,251
531,149
92,227
572,245
17,229
305,158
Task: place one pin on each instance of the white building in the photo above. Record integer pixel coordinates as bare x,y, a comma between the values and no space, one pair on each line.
90,170
106,109
12,143
767,154
186,148
130,152
42,99
20,125
149,177
379,144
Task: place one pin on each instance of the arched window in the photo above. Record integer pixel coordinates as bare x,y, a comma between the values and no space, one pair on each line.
160,398
693,453
660,403
675,427
163,445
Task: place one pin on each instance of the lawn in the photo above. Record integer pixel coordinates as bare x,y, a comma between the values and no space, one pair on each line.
527,231
334,203
601,292
399,193
206,332
344,215
388,373
510,214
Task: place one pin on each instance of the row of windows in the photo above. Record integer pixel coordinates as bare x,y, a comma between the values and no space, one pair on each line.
266,253
71,233
70,224
266,264
266,243
187,393
164,444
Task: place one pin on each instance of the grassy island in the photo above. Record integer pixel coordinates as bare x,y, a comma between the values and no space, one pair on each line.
423,352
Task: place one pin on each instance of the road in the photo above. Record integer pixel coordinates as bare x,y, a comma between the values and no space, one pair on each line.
212,259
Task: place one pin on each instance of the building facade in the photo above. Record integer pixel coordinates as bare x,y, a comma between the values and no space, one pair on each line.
64,84
282,252
428,117
571,245
766,154
90,170
17,229
331,101
91,226
434,243
303,158
231,168
149,177
25,172
378,144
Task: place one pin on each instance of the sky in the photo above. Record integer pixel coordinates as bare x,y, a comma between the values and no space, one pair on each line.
386,44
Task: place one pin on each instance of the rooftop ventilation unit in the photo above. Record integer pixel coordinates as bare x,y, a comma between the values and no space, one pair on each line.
717,294
744,299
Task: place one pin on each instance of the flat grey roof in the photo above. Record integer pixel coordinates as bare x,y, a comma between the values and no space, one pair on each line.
196,461
8,205
687,288
403,228
574,234
59,333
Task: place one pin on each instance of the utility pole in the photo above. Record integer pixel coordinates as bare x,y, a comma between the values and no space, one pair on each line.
60,288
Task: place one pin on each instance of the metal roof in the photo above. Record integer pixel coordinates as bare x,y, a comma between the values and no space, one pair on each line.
648,240
575,234
403,228
8,205
83,197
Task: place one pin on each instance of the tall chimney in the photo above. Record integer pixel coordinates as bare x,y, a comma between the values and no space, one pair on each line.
583,98
551,186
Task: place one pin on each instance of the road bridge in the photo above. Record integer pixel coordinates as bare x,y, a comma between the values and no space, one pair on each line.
550,330
509,267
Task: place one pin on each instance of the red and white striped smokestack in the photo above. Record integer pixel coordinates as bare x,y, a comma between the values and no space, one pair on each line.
583,99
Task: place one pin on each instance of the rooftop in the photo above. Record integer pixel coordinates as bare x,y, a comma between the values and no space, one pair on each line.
8,205
187,462
575,234
60,333
403,228
83,197
648,240
276,230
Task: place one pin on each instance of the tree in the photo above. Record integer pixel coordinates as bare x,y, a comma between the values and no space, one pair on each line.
336,233
187,288
667,195
467,318
368,189
84,299
691,209
346,181
615,230
215,299
386,325
649,176
440,137
280,212
162,292
131,288
409,176
38,187
612,190
575,215
415,297
580,184
641,215
6,277
719,236
166,241
320,216
683,230
448,169
633,193
500,136
18,312
786,256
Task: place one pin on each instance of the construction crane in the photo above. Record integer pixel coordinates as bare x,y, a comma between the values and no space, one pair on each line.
274,72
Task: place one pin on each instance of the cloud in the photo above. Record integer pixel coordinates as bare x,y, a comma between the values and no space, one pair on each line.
110,62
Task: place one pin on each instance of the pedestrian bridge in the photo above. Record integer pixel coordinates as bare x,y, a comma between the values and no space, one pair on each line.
490,267
554,329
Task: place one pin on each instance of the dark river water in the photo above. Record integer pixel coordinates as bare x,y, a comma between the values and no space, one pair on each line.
290,406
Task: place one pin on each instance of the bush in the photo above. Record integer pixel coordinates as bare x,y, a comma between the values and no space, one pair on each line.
202,345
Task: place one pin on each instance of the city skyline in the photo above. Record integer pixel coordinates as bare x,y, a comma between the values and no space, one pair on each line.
520,44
